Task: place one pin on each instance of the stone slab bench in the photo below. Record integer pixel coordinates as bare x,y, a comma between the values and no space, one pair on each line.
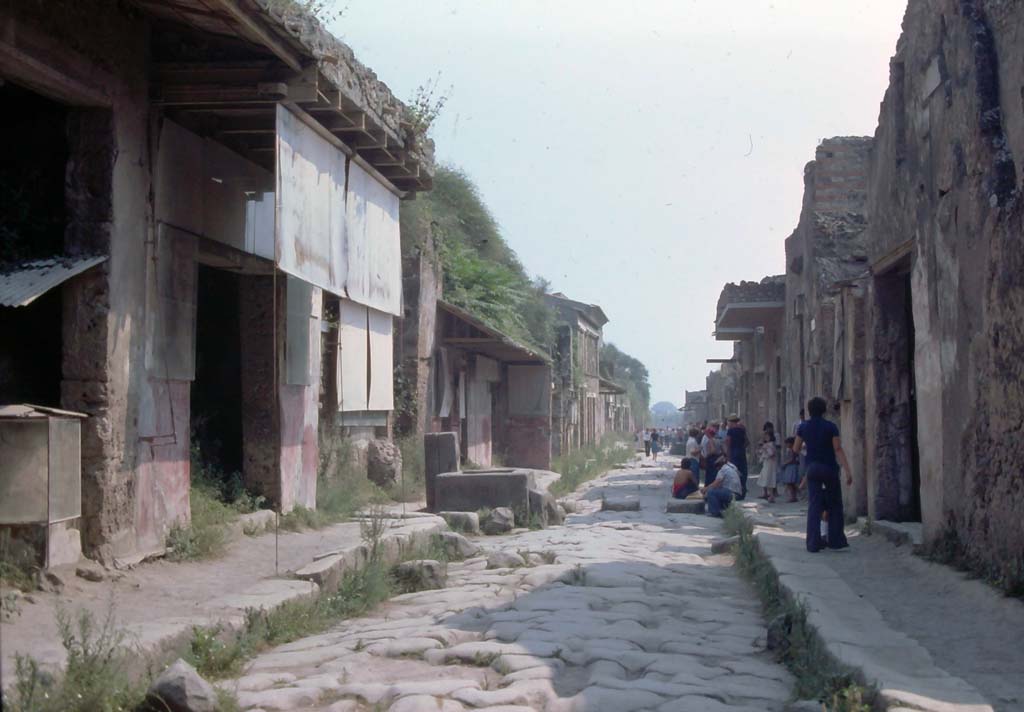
685,506
620,504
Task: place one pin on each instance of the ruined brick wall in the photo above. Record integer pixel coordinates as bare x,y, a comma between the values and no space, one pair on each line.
828,245
944,173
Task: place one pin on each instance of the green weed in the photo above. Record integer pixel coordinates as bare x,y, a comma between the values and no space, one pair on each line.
586,463
817,675
94,677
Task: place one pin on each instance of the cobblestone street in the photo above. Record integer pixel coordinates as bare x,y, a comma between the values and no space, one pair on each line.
636,614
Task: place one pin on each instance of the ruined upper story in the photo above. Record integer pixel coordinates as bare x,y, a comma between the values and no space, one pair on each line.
585,323
830,241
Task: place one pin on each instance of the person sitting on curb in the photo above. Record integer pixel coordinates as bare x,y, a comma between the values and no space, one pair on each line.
685,483
725,488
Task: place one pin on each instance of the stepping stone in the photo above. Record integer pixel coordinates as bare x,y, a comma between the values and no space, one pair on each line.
620,504
685,506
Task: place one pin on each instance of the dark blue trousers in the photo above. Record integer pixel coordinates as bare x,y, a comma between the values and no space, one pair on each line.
741,464
824,494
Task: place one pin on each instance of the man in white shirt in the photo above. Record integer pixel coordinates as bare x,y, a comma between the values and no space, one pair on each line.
727,486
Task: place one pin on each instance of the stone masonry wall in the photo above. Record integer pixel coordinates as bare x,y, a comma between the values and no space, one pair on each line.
107,196
944,173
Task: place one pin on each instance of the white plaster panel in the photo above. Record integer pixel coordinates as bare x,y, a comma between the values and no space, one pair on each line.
311,203
382,372
373,259
338,227
352,356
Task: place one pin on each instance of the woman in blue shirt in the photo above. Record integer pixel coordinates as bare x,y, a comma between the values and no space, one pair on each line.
824,455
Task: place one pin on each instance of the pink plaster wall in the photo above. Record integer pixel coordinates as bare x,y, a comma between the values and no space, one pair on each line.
300,417
162,471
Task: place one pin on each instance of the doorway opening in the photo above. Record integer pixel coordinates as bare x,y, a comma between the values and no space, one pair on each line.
898,495
33,216
216,394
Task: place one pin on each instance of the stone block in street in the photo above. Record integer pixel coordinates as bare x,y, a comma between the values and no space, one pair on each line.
620,504
472,491
457,546
499,521
724,546
465,522
180,688
505,560
685,506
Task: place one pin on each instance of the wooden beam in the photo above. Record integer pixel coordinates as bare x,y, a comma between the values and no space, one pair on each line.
220,94
470,341
248,125
22,68
892,259
312,123
255,28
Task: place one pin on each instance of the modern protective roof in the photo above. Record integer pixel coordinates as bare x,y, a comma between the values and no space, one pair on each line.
471,334
23,285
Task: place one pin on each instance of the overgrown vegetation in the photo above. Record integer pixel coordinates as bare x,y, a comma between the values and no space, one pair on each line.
629,373
217,654
587,463
949,550
18,565
413,483
482,273
94,677
802,651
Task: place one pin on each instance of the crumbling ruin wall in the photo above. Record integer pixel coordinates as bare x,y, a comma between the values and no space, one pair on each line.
944,174
828,245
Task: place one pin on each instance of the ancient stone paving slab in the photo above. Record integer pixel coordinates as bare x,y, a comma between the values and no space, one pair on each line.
635,614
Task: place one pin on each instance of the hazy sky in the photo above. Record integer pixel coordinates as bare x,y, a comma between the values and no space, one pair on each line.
639,154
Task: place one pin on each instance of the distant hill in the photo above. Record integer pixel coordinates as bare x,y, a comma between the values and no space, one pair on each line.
665,415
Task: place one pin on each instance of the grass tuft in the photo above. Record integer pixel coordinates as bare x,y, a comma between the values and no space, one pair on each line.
817,675
94,677
587,463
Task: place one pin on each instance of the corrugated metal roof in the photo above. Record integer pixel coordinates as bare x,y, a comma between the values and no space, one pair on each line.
24,285
27,410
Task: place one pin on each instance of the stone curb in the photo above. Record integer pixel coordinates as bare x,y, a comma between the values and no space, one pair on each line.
896,532
159,642
327,569
854,634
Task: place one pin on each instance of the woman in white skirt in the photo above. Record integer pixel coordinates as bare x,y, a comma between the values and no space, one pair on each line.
768,451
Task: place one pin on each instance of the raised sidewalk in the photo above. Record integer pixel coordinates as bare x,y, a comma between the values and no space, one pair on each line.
159,602
923,634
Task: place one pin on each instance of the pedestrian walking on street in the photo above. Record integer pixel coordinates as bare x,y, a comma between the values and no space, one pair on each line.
724,489
736,449
790,475
647,442
655,444
824,456
769,454
693,452
709,452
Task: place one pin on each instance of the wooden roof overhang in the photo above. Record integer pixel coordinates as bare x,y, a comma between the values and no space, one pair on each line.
461,330
229,63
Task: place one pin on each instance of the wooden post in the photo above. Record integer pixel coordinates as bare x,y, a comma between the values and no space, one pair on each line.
441,454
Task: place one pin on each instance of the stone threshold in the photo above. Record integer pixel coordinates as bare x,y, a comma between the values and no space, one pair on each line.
853,631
